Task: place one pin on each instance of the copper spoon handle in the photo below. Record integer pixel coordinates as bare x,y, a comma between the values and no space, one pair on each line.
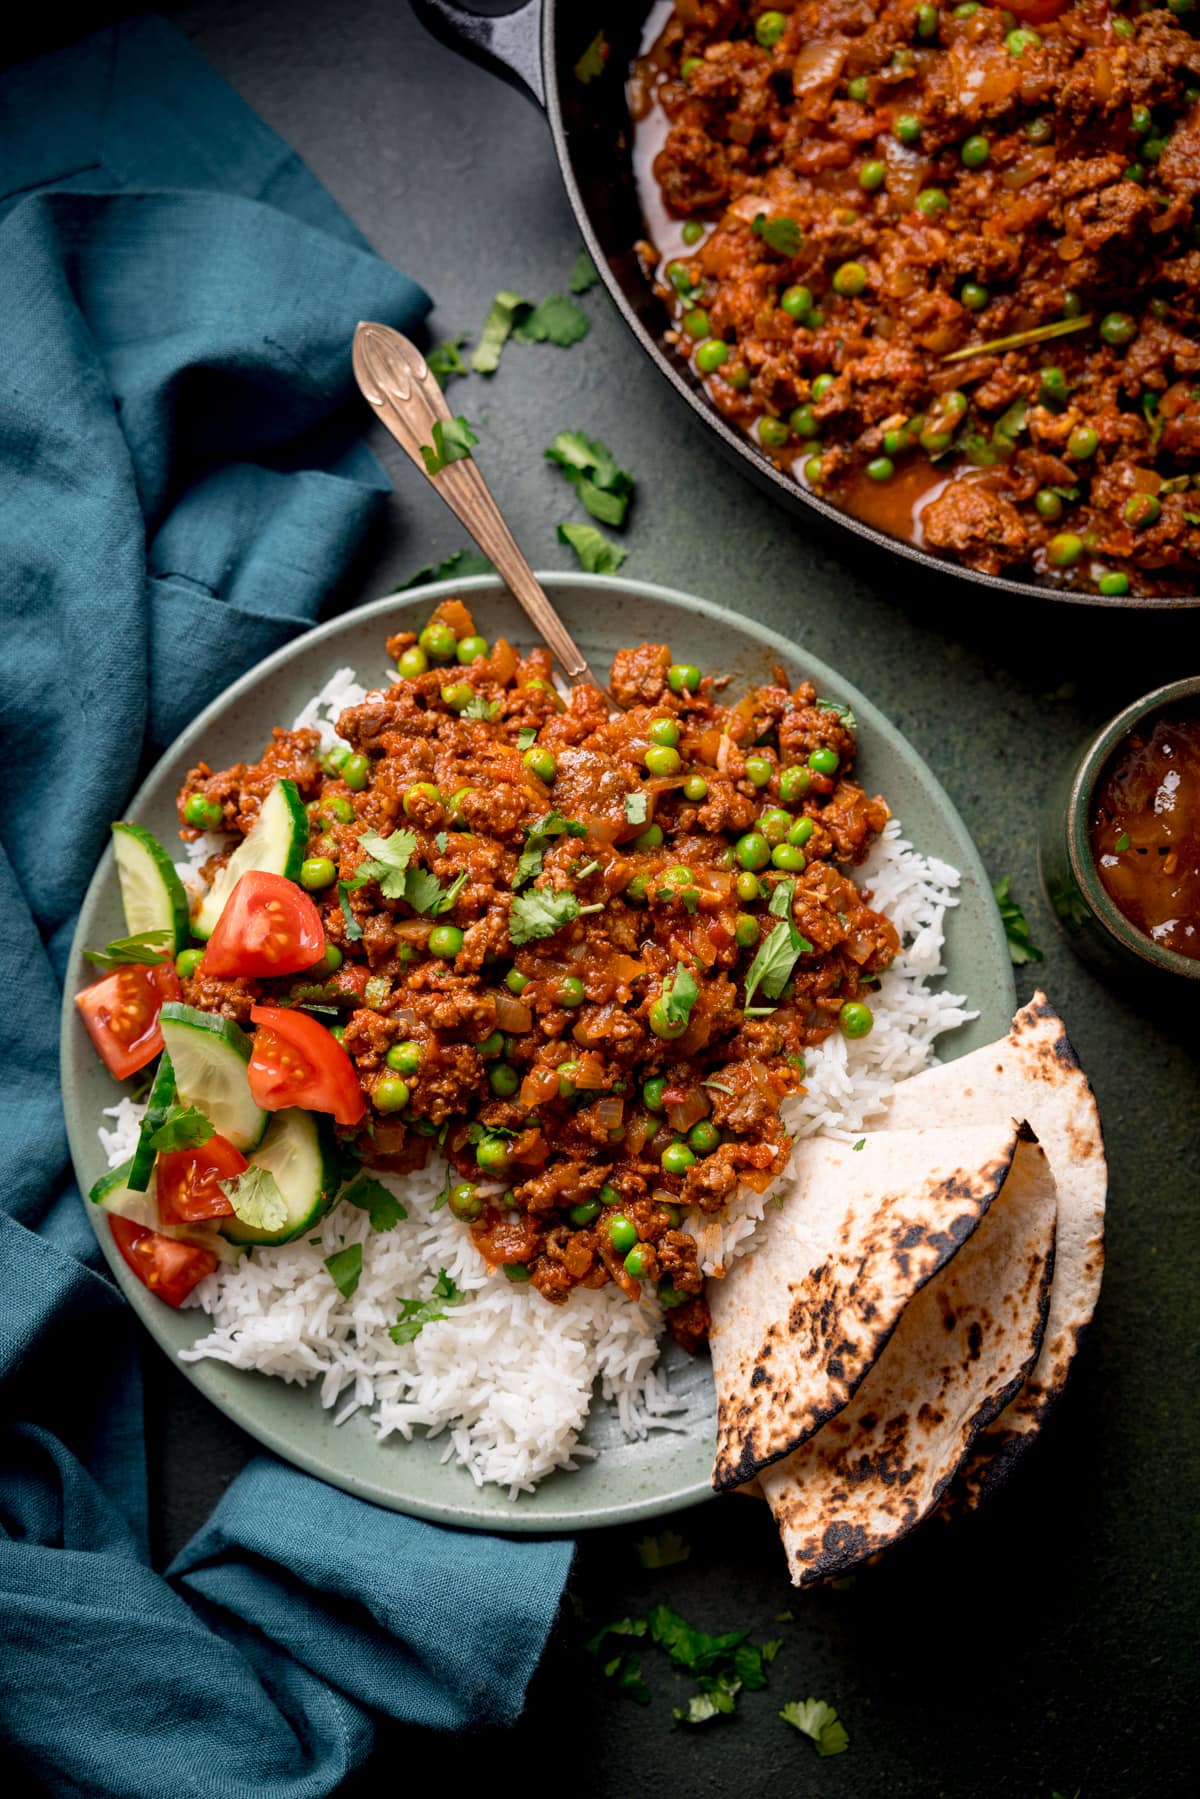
395,378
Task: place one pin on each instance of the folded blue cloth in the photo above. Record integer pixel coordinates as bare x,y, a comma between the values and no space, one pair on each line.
183,485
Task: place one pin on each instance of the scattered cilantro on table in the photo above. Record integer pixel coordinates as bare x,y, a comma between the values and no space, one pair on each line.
1016,926
505,309
819,1721
591,63
456,566
597,556
445,360
555,320
452,441
664,1551
345,1268
583,274
591,468
146,948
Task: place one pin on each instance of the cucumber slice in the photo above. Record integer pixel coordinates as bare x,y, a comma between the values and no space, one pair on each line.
300,1150
113,1193
152,893
209,1055
277,844
161,1095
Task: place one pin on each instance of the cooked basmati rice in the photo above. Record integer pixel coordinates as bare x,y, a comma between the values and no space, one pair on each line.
507,1378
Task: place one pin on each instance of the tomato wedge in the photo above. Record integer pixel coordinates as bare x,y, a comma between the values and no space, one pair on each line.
187,1180
295,1062
269,926
168,1268
121,1014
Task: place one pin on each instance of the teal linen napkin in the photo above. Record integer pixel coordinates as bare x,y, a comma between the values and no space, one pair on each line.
183,486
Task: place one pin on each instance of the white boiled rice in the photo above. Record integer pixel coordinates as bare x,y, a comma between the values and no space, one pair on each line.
507,1378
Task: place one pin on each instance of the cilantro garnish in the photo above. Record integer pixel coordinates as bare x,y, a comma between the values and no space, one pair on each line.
527,737
452,440
625,1671
371,1196
353,929
782,235
777,955
256,1199
591,468
345,1267
859,1145
841,710
597,556
178,1127
537,841
623,1627
478,707
636,807
583,274
695,1651
445,361
770,1650
459,563
716,1698
425,893
556,320
818,1721
415,1314
147,948
592,62
1122,843
1016,925
506,308
679,994
664,1551
539,913
388,862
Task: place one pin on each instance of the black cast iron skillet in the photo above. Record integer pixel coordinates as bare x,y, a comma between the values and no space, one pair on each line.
535,49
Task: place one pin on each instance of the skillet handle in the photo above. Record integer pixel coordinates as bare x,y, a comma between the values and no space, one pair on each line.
506,44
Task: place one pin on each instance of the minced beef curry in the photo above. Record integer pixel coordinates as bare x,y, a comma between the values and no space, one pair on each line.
874,195
583,951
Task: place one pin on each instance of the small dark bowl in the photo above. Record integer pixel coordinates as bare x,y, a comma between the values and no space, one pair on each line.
1093,924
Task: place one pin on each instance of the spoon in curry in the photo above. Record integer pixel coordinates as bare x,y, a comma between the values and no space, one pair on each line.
395,379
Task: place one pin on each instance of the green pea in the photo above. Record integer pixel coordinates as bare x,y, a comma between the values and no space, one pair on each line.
752,851
855,1019
907,128
804,422
773,432
688,64
203,814
1117,328
692,232
930,201
664,731
974,295
516,982
650,839
413,662
695,322
492,1045
317,872
794,783
857,87
1181,8
187,962
492,1155
975,151
1113,583
517,1273
797,302
823,761
775,824
1048,504
438,641
683,677
621,1232
1142,509
747,888
695,788
710,355
745,929
1052,385
737,378
338,1032
677,1158
540,762
927,21
662,1024
814,469
567,1072
1017,42
472,649
871,175
570,991
391,1094
662,760
821,385
759,770
704,1137
637,1262
786,856
585,1213
1083,442
356,771
458,695
672,1213
881,468
463,1201
816,319
1040,131
337,810
404,1058
635,892
669,1295
335,760
849,279
332,959
652,1092
1123,27
419,798
1141,120
445,940
1065,550
967,10
503,1080
769,27
801,831
1153,148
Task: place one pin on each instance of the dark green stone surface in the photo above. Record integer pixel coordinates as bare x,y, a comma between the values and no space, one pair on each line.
1049,1645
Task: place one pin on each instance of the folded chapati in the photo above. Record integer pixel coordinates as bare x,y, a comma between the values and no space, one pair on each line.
963,1345
1033,1073
798,1323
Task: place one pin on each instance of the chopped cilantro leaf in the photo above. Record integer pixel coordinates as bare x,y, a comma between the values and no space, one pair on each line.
539,913
445,361
441,842
555,320
481,708
458,564
415,1314
860,1143
389,858
597,556
1016,925
782,235
679,995
529,864
425,893
693,1650
592,62
717,1698
636,807
506,308
147,947
583,274
256,1199
623,1627
748,1666
345,1267
526,737
845,713
818,1721
353,929
452,440
179,1127
771,1650
777,955
1122,843
591,468
625,1671
371,1196
663,1551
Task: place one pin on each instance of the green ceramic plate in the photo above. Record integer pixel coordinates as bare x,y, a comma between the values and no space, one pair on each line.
626,1480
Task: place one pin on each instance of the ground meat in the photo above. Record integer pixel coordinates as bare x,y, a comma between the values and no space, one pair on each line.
982,527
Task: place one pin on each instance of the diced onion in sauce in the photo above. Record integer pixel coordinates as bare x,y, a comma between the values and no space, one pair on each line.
513,1014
